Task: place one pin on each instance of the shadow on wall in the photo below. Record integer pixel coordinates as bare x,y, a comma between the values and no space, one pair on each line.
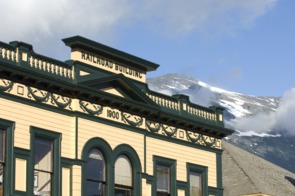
292,180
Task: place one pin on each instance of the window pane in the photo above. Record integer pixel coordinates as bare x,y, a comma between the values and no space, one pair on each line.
95,166
123,171
195,184
42,183
163,178
120,191
2,145
95,189
43,154
1,178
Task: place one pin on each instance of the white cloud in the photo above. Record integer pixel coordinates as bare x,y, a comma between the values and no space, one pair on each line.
281,120
46,18
43,23
46,22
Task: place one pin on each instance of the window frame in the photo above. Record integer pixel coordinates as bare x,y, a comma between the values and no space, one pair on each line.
203,171
127,150
8,177
103,182
171,163
106,151
55,137
132,175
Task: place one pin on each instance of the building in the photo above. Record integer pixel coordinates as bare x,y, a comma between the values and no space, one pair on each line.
90,126
245,174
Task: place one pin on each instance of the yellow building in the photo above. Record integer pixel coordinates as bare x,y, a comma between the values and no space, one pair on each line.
90,126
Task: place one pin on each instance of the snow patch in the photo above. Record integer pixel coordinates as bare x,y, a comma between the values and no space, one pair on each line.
234,108
253,133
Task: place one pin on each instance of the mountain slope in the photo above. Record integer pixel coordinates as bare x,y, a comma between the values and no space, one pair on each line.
260,122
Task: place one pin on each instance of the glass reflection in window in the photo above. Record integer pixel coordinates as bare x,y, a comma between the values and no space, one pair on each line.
43,166
123,176
95,185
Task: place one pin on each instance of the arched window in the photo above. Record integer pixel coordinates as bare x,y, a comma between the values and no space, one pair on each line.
95,173
123,176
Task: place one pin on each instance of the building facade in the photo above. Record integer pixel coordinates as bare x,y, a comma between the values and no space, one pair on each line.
91,126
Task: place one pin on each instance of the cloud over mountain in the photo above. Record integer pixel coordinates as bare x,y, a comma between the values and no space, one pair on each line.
282,119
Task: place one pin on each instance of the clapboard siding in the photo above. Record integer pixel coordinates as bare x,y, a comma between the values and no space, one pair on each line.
113,135
25,116
182,155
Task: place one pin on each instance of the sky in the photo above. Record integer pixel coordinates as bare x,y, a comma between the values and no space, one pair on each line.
245,46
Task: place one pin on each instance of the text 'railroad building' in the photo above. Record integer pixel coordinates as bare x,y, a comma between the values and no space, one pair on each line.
90,126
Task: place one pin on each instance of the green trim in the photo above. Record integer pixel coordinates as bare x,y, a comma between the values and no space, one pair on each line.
110,157
106,150
169,163
181,185
149,178
128,151
76,135
56,138
70,162
8,178
108,122
144,153
95,47
215,191
204,175
219,170
183,143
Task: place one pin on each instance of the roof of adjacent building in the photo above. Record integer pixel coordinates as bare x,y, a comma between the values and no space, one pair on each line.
245,173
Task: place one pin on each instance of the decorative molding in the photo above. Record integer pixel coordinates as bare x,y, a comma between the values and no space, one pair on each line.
132,120
169,131
193,137
201,139
154,127
38,95
90,108
6,85
45,97
60,101
209,141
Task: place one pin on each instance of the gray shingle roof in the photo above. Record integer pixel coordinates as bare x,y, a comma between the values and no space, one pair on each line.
246,173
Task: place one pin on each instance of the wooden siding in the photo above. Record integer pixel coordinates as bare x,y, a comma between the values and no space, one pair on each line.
182,154
25,116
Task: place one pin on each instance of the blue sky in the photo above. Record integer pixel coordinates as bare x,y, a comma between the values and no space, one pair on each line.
246,46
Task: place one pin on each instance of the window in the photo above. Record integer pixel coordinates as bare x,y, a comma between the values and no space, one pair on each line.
164,177
45,170
163,180
123,176
195,183
2,159
95,173
43,166
197,178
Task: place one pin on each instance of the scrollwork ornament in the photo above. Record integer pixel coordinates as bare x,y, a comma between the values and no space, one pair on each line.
6,85
60,101
169,131
132,120
193,137
209,141
153,126
38,95
90,108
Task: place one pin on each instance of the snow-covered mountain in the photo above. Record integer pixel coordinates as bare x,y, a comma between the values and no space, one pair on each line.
263,125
